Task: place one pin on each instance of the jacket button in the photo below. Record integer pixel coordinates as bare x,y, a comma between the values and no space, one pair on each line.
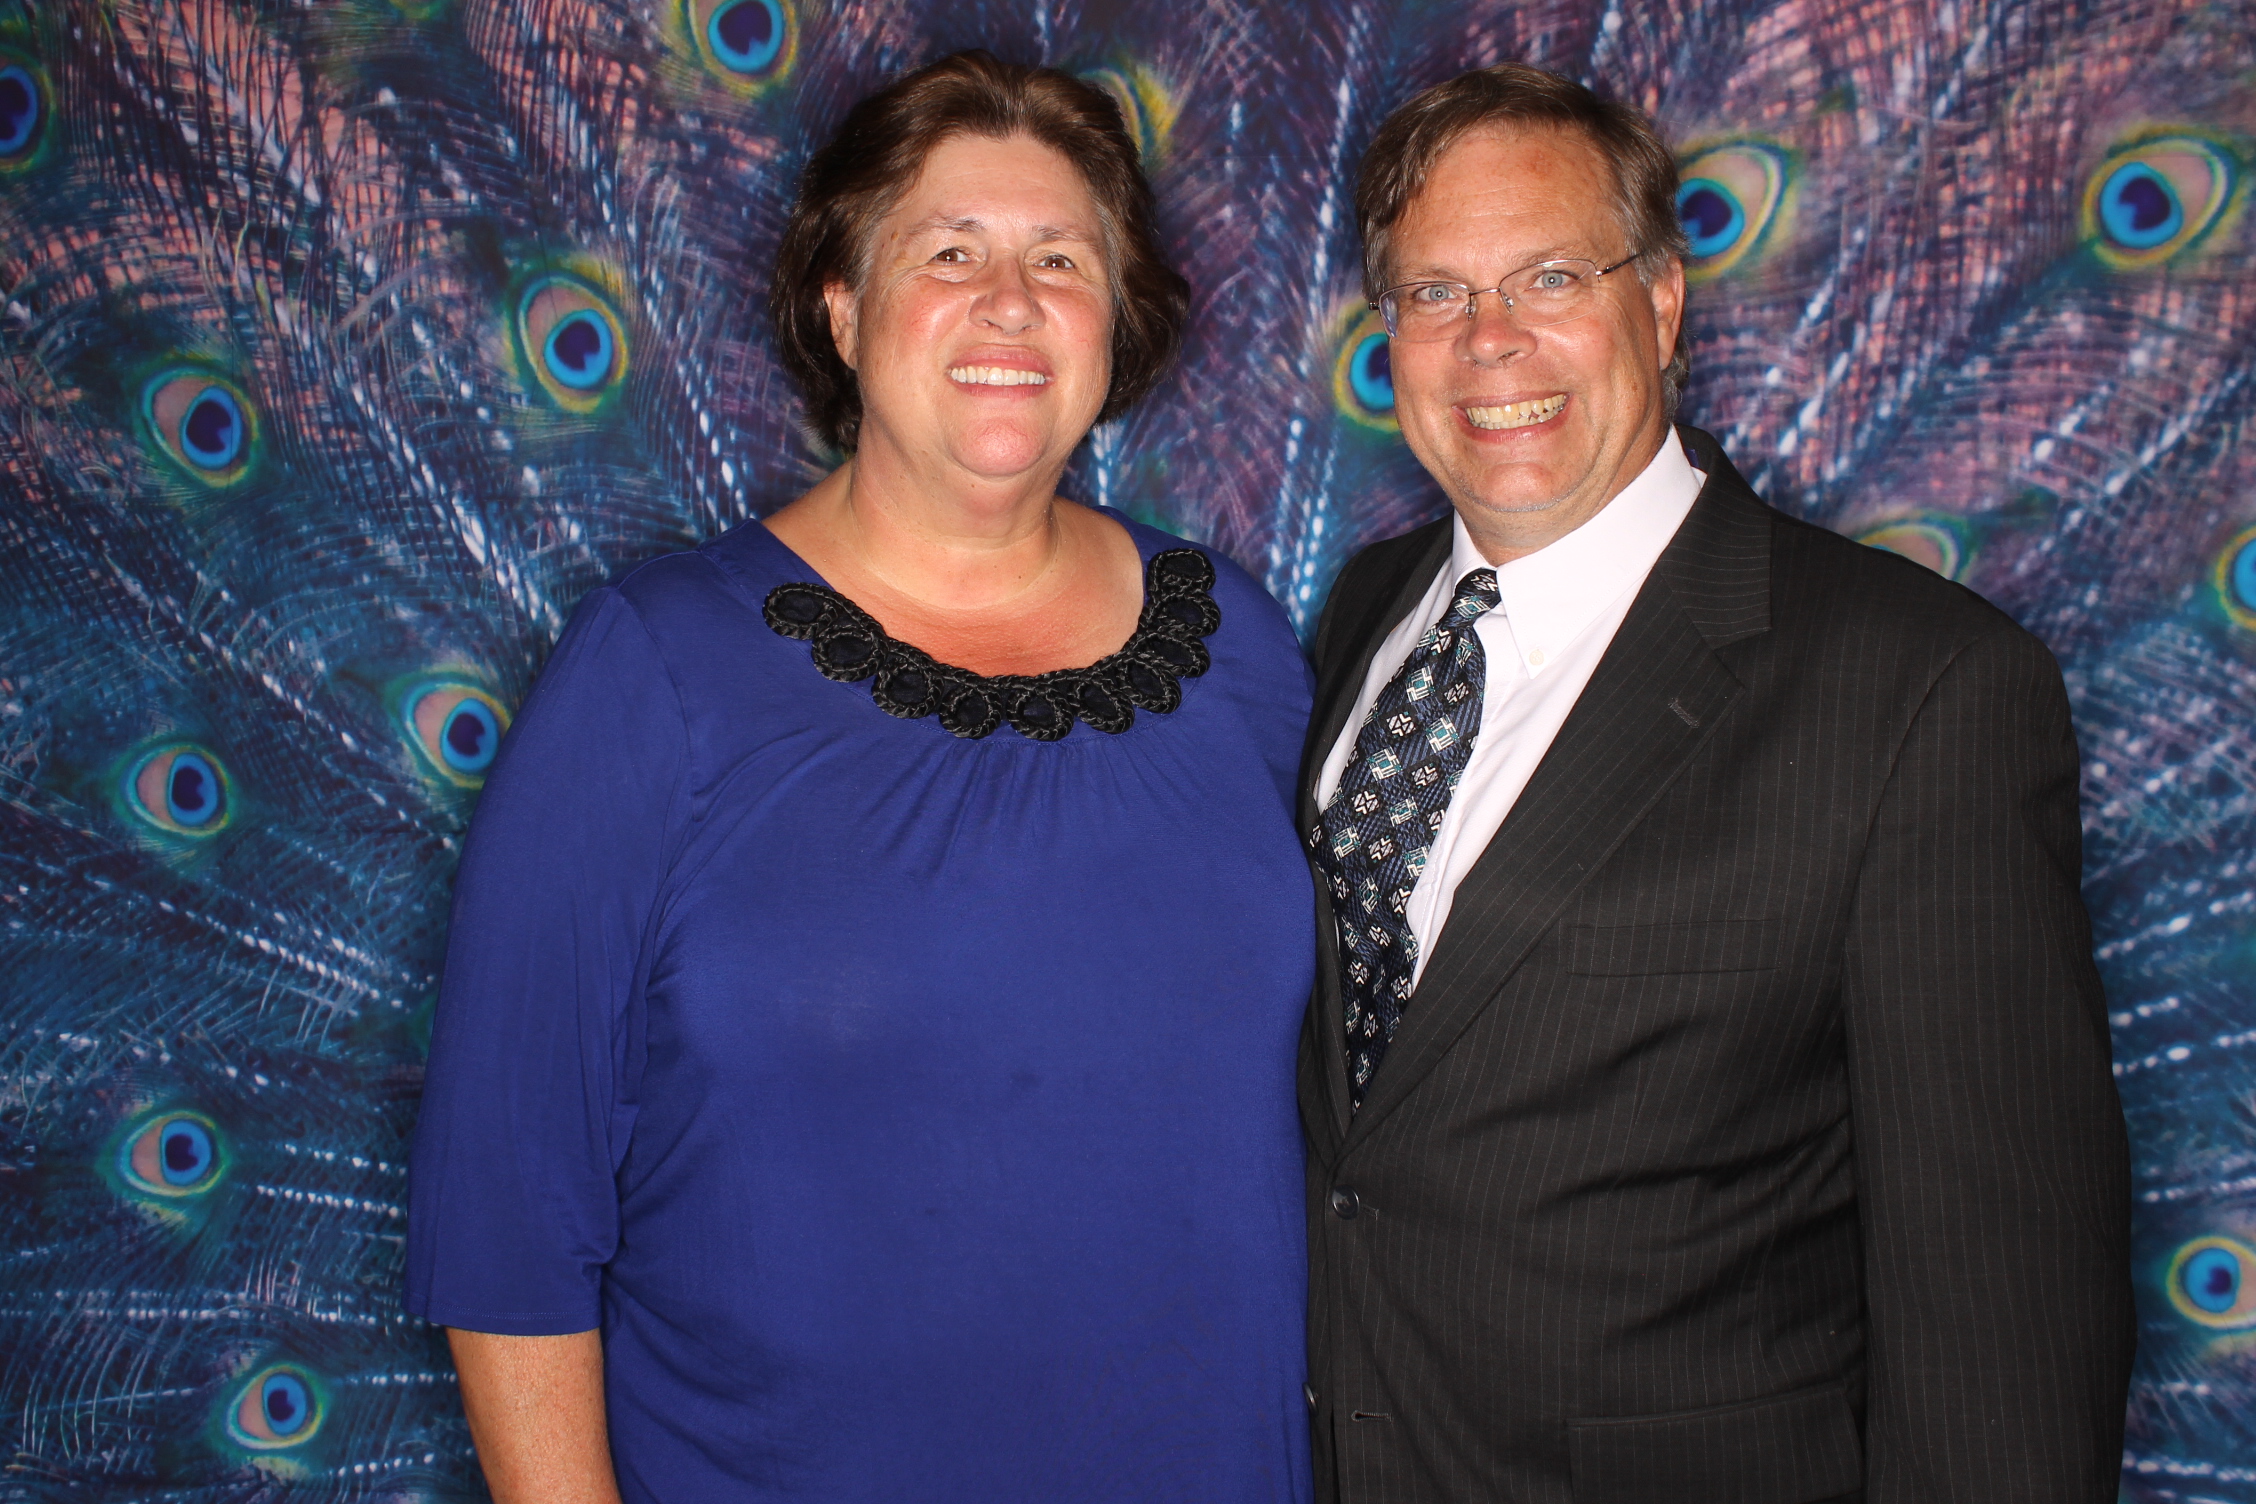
1309,1391
1344,1203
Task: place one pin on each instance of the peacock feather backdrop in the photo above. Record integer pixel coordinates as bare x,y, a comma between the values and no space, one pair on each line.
345,343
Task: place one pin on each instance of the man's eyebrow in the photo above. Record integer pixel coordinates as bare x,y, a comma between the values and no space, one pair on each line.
1431,272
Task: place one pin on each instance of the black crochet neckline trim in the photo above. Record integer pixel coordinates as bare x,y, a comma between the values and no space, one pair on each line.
1168,647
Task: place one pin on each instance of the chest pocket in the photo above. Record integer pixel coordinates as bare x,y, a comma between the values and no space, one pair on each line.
1638,950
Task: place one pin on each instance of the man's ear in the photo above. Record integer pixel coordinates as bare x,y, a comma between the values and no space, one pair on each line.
845,309
1668,309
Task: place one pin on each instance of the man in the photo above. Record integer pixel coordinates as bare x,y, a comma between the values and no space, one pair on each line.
1707,1087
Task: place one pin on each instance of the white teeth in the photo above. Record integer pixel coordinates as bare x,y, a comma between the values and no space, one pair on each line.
1517,414
997,376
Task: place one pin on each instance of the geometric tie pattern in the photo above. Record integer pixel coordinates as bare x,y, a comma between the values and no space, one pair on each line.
1392,795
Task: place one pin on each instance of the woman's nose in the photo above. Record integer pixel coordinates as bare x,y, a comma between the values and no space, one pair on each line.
1007,302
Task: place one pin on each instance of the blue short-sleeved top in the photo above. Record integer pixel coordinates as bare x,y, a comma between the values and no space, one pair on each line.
913,1112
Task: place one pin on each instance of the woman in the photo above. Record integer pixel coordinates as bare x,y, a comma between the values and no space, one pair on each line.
863,1069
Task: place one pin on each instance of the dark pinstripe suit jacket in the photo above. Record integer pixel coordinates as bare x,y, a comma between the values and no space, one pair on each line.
1750,1138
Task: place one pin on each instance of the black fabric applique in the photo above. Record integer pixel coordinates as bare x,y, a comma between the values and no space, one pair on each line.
1168,647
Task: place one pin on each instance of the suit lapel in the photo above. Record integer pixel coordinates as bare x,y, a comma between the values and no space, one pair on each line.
1656,696
1364,625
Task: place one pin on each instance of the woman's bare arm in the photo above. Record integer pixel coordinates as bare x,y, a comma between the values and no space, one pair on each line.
536,1414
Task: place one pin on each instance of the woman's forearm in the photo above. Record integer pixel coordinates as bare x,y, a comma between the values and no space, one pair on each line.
536,1414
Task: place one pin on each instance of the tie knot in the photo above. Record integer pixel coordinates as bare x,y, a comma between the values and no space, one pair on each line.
1477,595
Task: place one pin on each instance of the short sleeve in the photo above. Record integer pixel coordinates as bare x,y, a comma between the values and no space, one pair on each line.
513,1208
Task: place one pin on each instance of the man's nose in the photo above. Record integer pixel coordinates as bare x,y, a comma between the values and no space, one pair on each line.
1493,332
1007,302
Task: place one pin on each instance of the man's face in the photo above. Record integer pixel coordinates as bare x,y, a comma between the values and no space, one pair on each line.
1495,202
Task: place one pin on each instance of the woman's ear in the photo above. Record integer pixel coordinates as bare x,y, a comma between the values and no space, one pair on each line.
844,307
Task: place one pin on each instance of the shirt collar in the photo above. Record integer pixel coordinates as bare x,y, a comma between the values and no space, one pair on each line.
1551,595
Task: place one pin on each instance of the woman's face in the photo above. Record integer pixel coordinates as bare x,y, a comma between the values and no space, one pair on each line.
982,334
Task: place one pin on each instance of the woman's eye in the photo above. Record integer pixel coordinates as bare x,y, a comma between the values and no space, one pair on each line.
953,256
1057,263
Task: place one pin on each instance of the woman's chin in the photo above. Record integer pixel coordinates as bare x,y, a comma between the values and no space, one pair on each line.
1004,450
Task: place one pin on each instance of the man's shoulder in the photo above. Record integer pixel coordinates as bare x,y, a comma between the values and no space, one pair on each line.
1372,576
1824,582
1380,565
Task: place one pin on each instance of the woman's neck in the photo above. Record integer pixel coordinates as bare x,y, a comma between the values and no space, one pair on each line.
995,581
973,546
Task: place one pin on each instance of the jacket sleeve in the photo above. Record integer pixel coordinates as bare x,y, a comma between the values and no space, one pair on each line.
1993,1172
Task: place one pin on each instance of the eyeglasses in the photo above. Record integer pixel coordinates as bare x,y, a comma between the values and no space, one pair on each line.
1549,292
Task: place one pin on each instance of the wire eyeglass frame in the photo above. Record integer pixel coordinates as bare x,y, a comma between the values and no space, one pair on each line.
1389,304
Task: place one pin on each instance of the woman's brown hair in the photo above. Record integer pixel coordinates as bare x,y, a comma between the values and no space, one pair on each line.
877,152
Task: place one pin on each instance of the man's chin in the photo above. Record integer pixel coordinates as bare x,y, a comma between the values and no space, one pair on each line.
1514,495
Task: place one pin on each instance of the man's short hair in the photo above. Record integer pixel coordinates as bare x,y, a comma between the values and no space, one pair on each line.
1519,96
881,146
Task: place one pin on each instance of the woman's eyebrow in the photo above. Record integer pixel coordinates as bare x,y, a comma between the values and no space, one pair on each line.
969,224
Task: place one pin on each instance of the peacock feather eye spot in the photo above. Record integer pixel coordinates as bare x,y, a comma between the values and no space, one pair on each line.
747,34
1933,542
172,1154
180,790
2209,1283
457,728
184,1153
579,351
1730,199
2212,1280
22,111
468,739
1363,375
2234,578
749,41
574,342
203,423
1712,215
277,1407
2139,208
1370,372
192,793
2155,197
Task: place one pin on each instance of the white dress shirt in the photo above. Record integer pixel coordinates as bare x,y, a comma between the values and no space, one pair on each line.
1560,608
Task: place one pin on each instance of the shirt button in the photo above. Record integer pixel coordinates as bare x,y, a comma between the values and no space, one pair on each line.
1344,1203
1535,659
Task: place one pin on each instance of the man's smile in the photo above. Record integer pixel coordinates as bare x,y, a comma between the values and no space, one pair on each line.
1516,414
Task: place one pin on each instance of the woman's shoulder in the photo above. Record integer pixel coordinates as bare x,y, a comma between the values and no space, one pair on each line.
711,585
681,611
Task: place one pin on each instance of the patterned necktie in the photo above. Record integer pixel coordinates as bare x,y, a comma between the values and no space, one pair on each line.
1381,822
